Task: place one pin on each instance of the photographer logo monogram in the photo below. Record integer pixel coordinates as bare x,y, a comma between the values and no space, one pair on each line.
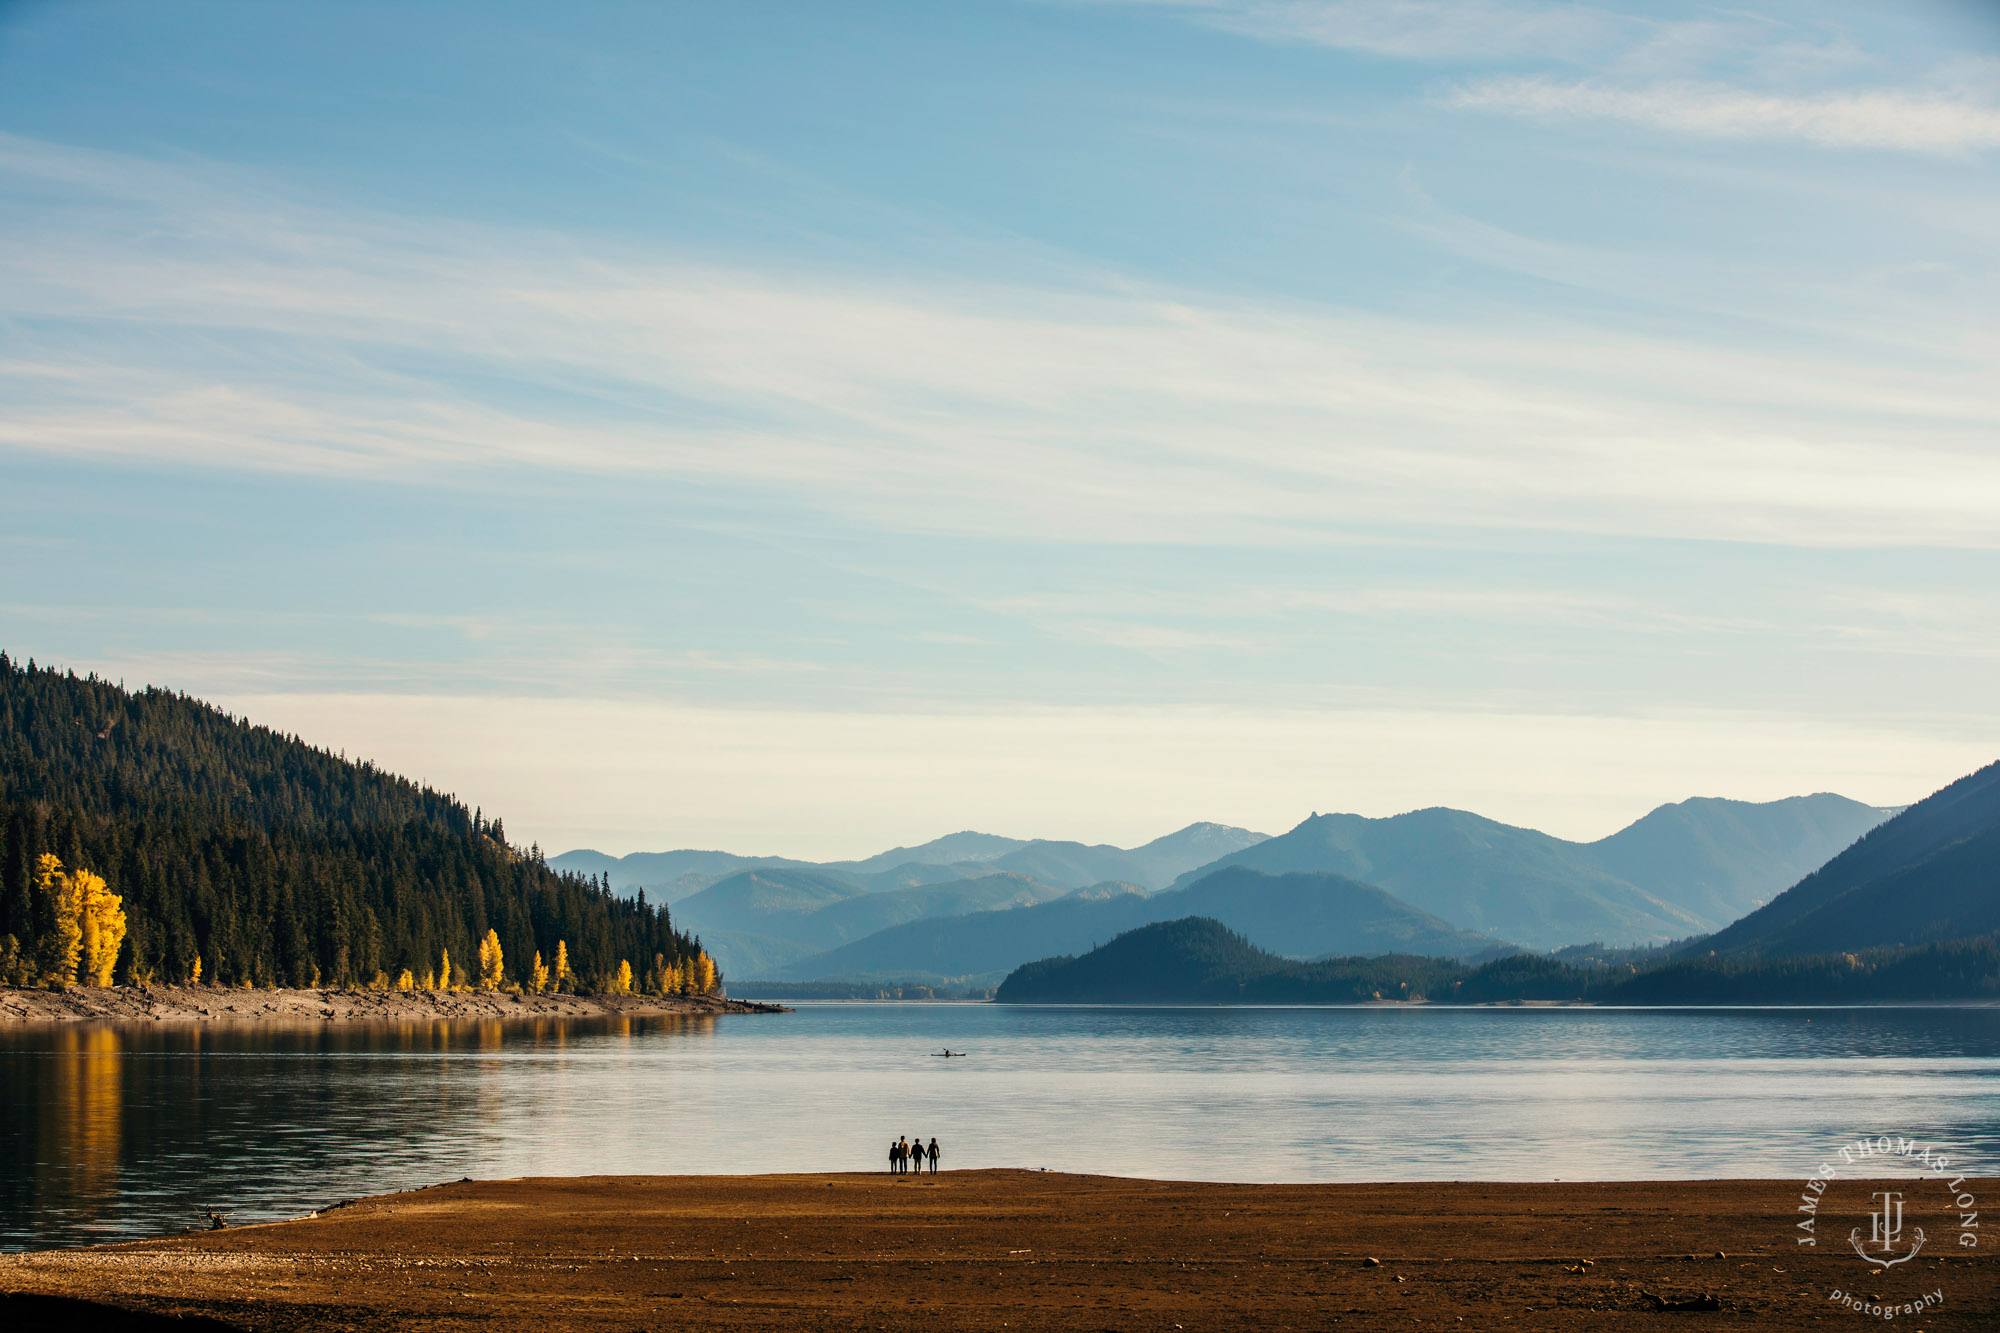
1854,1202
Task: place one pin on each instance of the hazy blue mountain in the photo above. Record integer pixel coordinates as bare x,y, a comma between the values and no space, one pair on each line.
1682,870
978,948
753,901
955,856
913,874
1720,859
1303,916
952,848
857,917
1312,915
1930,874
1154,866
650,870
744,954
1511,882
764,919
1163,860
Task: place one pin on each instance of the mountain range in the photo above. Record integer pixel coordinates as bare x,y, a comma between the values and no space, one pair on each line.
969,907
1910,912
1930,874
1153,865
1300,915
1682,870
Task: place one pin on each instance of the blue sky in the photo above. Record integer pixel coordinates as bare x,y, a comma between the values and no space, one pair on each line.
805,428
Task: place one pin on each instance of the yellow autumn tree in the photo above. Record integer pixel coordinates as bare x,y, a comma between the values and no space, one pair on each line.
563,974
63,944
538,976
87,925
444,970
101,927
675,979
405,981
194,973
490,974
704,972
621,984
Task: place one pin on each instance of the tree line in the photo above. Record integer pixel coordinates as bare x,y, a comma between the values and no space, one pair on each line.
236,855
1197,960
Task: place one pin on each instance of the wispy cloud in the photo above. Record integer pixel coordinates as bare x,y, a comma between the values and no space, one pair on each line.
1428,30
1889,118
190,316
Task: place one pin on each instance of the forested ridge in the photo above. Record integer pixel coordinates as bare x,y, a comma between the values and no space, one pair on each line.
270,862
1200,961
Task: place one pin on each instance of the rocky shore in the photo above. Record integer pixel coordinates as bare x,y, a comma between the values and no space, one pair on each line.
219,1004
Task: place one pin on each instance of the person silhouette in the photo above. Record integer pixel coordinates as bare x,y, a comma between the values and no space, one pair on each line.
903,1152
934,1154
895,1157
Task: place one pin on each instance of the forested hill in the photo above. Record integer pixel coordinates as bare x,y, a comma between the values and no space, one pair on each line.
273,862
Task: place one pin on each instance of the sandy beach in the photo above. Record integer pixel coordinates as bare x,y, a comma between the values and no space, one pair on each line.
220,1004
1019,1250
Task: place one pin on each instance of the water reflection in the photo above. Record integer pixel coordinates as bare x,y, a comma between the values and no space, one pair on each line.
80,1119
110,1132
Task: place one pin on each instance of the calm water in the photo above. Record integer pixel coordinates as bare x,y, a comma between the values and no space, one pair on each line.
107,1133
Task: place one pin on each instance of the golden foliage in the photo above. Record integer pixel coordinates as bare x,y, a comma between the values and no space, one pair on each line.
538,976
444,971
405,980
490,973
63,945
704,973
563,974
622,983
89,925
194,973
102,927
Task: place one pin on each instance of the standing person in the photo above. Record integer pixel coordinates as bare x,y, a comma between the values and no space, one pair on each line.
935,1154
895,1157
903,1154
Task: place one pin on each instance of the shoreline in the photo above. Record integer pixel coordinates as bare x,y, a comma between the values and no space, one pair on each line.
1031,1250
335,1005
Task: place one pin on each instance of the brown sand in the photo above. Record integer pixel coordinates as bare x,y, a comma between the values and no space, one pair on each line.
1017,1250
220,1004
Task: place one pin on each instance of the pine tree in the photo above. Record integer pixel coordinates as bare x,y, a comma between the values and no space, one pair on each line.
264,860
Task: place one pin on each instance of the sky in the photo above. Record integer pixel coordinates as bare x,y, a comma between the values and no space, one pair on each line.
806,428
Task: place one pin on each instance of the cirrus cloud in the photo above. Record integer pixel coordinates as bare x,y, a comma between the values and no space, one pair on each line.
1881,118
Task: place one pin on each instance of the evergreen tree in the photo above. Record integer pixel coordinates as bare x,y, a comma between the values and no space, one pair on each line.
237,855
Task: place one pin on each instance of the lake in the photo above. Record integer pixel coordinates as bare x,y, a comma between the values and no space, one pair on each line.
119,1132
